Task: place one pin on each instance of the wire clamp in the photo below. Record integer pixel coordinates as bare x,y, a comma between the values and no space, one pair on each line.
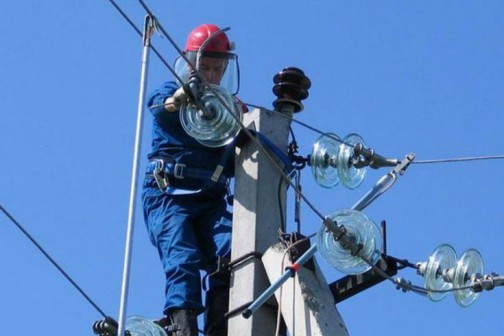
404,164
363,157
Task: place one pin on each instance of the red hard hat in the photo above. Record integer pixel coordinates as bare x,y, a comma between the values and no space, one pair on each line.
218,43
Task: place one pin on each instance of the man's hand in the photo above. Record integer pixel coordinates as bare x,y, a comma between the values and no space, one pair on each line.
173,103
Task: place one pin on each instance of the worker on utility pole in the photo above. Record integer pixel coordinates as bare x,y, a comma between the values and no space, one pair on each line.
185,205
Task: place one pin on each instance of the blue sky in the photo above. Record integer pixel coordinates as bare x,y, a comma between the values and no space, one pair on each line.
417,76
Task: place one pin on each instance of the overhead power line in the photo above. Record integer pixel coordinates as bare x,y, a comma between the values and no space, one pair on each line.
314,129
430,161
398,282
51,259
461,159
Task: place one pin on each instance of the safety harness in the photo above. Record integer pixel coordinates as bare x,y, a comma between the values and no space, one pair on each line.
164,169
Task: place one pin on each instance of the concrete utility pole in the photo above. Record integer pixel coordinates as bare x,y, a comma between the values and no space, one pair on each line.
256,212
256,220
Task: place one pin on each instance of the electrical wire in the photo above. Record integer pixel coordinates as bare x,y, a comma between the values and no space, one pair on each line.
461,159
285,177
407,285
416,289
328,134
181,53
245,130
283,225
431,161
402,262
297,205
53,262
257,142
158,54
242,126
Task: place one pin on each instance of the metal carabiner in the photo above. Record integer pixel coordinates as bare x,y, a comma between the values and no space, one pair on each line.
160,176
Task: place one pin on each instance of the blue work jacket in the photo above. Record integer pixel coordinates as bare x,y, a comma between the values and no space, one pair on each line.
170,139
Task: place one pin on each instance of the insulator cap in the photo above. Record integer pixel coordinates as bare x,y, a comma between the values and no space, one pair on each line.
291,86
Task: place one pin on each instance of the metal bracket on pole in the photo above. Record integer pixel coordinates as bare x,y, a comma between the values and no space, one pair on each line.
149,28
350,285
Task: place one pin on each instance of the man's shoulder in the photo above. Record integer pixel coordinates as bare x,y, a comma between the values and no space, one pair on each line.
170,85
165,89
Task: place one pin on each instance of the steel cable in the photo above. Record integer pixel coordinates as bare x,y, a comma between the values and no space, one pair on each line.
51,259
397,282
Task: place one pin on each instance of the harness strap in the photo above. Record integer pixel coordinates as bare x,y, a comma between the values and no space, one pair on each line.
217,173
181,171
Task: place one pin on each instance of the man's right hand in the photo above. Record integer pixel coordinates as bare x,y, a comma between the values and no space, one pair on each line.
174,102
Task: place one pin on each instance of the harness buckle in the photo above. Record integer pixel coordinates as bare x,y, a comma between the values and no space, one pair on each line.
178,170
160,176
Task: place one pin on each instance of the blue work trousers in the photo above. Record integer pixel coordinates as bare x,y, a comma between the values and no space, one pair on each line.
189,232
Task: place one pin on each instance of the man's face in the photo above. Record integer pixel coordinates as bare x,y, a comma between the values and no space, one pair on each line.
212,69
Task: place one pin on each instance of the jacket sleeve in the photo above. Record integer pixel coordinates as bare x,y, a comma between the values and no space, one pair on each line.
155,101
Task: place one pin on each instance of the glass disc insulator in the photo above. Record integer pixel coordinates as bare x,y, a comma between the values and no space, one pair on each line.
350,176
217,123
469,264
363,230
443,258
323,160
140,326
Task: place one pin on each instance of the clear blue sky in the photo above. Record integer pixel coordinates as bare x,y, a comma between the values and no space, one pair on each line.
408,76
